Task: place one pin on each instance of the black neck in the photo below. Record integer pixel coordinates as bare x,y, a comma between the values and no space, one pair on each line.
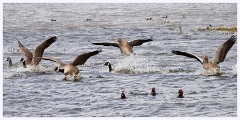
10,62
24,64
110,67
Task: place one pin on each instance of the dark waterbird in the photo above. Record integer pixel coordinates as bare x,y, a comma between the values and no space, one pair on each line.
123,95
153,91
180,93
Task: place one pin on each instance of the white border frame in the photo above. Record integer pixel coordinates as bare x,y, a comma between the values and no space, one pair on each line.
116,1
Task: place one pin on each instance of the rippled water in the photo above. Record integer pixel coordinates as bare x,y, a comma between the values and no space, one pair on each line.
44,93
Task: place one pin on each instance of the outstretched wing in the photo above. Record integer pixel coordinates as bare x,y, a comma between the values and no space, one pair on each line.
51,59
81,59
188,55
107,44
25,52
223,50
40,49
139,42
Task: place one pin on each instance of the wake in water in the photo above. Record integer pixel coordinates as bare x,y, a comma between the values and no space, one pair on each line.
16,72
135,64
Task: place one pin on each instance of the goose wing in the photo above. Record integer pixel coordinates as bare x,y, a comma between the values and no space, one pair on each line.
51,59
40,49
25,52
81,59
107,44
139,42
223,50
188,55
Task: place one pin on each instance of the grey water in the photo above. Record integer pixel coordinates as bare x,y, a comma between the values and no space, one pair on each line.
43,93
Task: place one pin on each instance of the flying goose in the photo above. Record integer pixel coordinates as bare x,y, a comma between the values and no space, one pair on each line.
125,47
217,58
33,59
70,68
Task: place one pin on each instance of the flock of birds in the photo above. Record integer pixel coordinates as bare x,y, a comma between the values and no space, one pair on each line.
32,59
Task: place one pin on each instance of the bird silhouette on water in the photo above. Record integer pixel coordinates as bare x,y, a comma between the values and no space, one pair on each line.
153,92
123,95
180,93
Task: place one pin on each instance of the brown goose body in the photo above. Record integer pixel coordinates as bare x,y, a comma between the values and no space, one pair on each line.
125,47
70,68
209,64
33,59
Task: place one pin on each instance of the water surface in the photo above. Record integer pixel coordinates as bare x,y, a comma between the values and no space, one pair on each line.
44,93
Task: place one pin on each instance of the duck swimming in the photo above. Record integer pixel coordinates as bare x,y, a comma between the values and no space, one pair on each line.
123,95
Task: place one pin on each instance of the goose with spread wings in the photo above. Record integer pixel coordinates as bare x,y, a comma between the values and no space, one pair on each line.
32,59
70,68
125,47
212,65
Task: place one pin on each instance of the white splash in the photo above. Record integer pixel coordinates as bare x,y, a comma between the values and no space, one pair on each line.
135,64
19,71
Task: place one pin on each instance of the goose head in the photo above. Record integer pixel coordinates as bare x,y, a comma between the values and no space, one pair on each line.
205,58
119,40
109,66
22,59
59,70
107,63
23,62
9,59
